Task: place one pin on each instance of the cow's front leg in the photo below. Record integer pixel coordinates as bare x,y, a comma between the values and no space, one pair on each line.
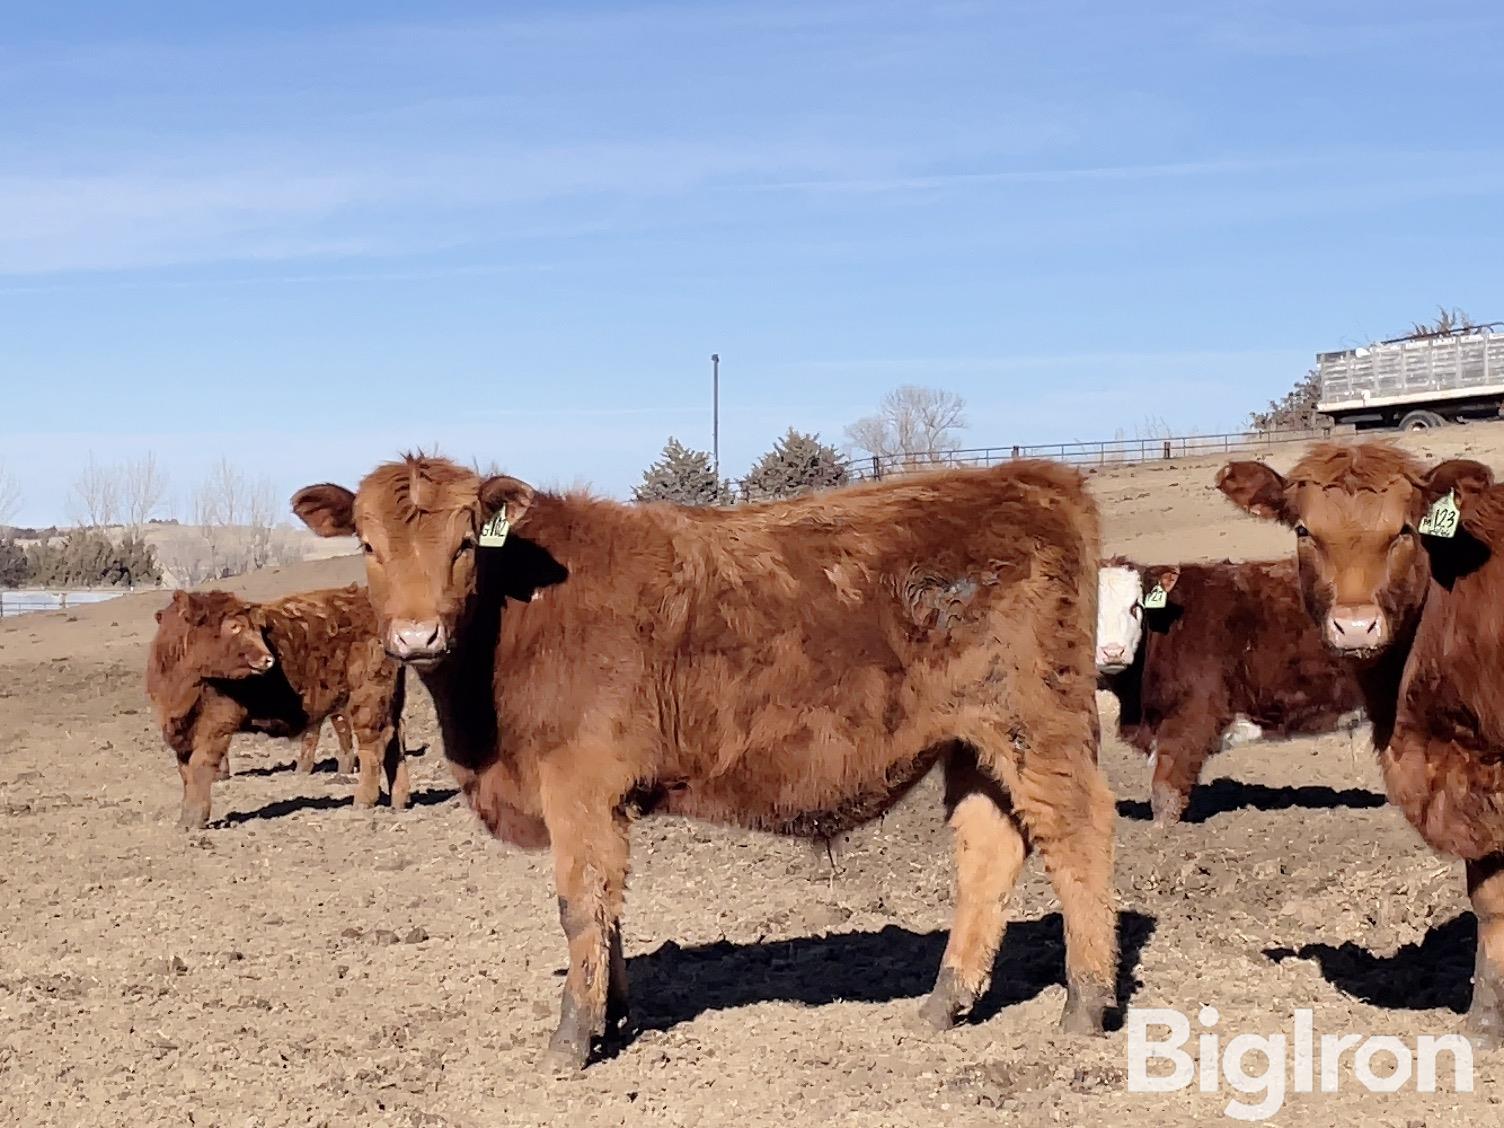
309,751
1181,747
199,772
1485,885
590,871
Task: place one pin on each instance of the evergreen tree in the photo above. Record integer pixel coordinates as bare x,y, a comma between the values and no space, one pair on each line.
798,463
684,476
12,563
88,558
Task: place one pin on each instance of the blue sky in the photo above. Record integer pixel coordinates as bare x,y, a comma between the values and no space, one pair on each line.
308,235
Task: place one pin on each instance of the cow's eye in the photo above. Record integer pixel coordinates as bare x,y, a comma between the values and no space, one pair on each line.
236,628
1302,531
1136,612
365,546
1407,531
466,545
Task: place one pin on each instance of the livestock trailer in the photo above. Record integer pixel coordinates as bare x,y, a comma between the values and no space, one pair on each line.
1415,382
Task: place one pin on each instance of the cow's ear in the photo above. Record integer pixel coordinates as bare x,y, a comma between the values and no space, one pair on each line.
1167,578
1461,476
327,509
1255,487
501,490
159,614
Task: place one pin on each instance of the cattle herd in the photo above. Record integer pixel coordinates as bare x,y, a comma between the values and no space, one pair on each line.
798,666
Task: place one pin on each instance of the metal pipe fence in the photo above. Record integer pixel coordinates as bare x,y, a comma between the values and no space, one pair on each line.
1109,452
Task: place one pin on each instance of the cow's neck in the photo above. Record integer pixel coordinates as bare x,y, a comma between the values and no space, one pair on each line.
468,687
1379,681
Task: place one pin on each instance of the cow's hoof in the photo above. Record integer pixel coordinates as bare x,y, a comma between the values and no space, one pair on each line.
1167,806
1085,1009
402,798
223,771
1485,1027
618,1017
366,798
945,1002
304,767
193,817
565,1056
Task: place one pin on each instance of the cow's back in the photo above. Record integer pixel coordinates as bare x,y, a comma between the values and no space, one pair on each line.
1245,643
802,656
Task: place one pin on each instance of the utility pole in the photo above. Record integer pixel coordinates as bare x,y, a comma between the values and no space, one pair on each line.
715,412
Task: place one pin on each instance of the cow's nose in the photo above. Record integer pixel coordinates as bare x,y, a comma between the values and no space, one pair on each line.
410,640
262,663
1112,654
1356,626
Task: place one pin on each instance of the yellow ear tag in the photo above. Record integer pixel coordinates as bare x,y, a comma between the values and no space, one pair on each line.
493,533
1156,598
1442,518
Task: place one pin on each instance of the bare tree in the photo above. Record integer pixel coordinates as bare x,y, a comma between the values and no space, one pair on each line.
144,487
236,529
912,426
95,498
1447,321
10,494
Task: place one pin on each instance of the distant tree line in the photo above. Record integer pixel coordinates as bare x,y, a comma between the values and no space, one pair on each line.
234,528
912,426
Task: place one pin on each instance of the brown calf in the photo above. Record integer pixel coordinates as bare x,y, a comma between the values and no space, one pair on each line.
794,667
219,665
1229,648
1421,619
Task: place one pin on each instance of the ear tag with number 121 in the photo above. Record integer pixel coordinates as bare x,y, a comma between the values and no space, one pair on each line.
493,533
1156,598
1441,519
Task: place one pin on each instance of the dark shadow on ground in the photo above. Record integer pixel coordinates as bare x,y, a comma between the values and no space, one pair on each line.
281,808
1436,973
674,985
1223,796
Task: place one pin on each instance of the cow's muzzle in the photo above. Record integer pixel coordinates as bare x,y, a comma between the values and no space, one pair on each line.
1356,628
421,644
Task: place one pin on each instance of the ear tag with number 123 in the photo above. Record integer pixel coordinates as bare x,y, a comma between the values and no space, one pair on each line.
493,533
1441,519
1156,598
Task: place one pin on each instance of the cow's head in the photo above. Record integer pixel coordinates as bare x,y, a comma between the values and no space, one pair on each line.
419,521
1356,512
220,635
1121,589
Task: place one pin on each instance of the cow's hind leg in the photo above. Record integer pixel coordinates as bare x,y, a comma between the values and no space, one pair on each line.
345,762
1485,885
990,849
1069,813
1048,760
618,998
309,751
590,872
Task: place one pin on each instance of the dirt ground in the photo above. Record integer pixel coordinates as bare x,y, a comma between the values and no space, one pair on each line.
304,963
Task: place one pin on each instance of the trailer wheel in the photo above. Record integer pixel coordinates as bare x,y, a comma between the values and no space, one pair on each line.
1421,420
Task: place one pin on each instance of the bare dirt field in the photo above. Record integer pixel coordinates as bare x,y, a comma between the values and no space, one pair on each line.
303,963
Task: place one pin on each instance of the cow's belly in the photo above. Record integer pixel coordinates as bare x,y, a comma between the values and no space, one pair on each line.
1452,795
800,799
275,726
